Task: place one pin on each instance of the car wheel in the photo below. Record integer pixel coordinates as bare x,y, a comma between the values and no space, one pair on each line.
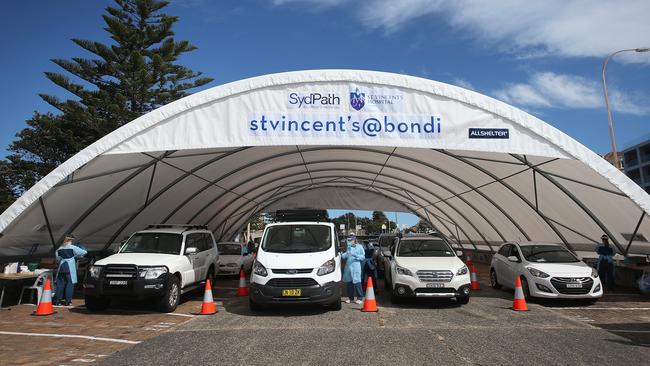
335,305
169,301
493,280
462,300
210,276
96,303
254,306
525,288
395,299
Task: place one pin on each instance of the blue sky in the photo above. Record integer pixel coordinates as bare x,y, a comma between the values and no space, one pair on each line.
544,57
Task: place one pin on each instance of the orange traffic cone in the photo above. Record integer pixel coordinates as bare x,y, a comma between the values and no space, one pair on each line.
474,282
468,261
369,302
45,305
519,303
243,288
209,307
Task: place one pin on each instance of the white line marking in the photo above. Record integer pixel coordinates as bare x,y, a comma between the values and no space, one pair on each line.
585,308
71,336
626,331
179,314
84,360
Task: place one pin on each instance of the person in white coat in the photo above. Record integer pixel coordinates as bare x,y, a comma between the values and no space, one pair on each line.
66,274
354,256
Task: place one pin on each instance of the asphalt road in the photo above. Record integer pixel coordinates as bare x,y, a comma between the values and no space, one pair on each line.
483,332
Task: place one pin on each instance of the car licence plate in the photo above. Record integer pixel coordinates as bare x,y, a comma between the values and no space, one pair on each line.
292,292
574,285
119,283
435,285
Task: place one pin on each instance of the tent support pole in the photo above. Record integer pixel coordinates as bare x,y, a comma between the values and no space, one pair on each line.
636,229
198,212
575,199
369,172
511,189
114,189
307,187
47,222
153,175
304,163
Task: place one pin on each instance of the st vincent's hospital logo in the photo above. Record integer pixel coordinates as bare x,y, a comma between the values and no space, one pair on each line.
357,99
377,99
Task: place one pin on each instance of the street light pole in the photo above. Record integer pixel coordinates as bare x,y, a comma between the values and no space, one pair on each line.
617,161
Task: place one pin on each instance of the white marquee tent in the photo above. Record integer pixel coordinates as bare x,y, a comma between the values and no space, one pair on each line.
479,170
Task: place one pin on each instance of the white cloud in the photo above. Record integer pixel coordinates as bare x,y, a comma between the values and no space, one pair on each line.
569,28
463,83
547,89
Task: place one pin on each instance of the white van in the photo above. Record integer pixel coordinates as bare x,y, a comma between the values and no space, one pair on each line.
297,262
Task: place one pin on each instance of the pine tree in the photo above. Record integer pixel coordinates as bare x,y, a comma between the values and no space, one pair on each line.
136,74
6,193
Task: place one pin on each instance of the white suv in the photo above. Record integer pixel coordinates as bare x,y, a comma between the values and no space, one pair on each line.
162,262
426,266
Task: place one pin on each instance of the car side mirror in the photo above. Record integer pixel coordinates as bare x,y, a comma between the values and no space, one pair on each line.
512,258
191,250
459,253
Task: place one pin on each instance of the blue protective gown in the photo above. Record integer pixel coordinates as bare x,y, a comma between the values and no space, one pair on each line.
354,256
66,255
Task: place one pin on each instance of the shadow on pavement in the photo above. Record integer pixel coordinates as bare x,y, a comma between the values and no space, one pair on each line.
239,306
132,307
637,334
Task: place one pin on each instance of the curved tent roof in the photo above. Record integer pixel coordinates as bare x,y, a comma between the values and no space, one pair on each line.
479,170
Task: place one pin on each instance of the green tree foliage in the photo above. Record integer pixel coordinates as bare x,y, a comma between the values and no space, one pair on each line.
135,74
369,225
6,193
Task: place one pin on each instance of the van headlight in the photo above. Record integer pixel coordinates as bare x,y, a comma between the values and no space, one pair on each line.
151,273
594,273
259,269
463,270
403,271
95,271
327,267
537,273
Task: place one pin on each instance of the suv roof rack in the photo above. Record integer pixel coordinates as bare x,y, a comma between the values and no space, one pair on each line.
301,215
172,226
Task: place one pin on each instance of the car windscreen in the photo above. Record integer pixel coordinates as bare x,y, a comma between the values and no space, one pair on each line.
297,239
547,254
229,249
424,248
164,243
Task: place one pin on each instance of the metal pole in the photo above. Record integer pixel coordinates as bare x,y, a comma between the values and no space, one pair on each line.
617,162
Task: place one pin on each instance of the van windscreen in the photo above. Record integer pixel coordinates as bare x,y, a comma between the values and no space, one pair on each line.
297,239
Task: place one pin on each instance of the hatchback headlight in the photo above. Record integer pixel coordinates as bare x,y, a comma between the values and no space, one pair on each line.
463,270
403,271
259,269
95,271
151,273
327,267
594,273
537,273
